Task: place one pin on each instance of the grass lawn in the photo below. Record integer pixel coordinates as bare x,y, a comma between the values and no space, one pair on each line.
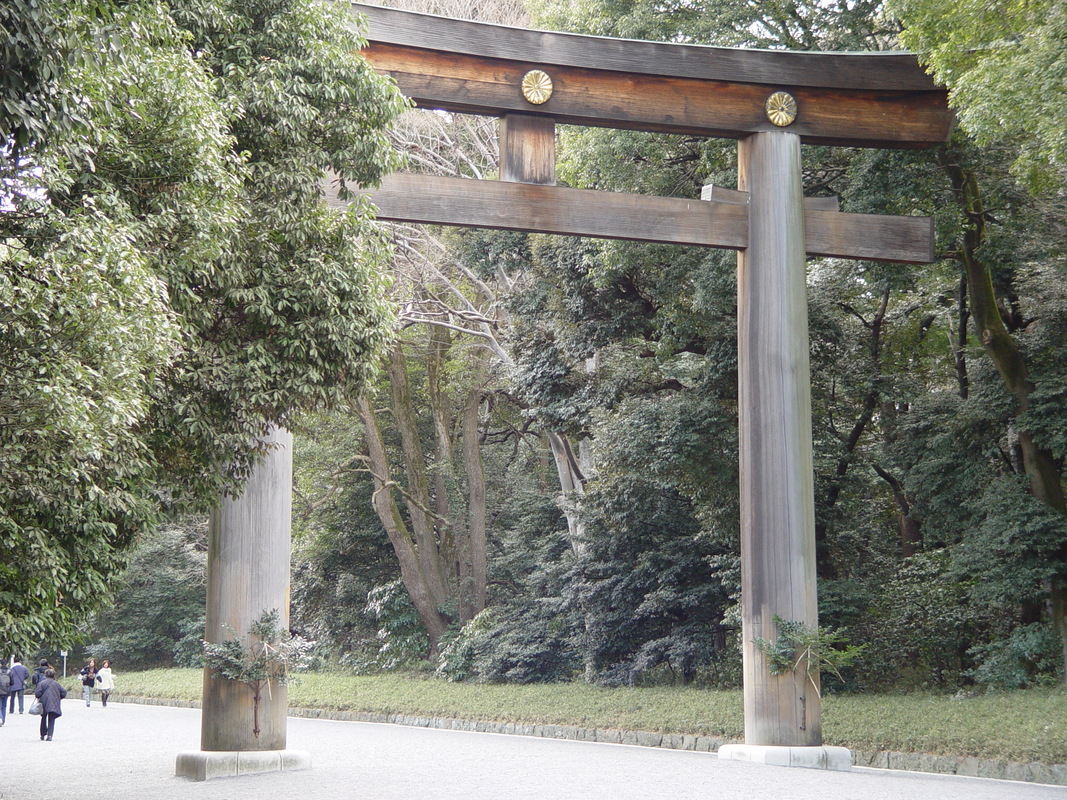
1018,726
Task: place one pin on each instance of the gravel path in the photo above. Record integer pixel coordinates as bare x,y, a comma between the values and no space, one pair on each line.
127,752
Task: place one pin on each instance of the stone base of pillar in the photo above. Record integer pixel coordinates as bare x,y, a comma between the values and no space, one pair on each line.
203,765
835,758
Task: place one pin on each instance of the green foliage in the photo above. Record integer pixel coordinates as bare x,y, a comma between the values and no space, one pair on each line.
35,106
819,649
643,593
950,448
293,317
402,641
1005,67
920,623
1029,656
1014,548
801,25
268,653
1003,544
76,378
1045,282
533,643
340,551
170,282
86,332
647,581
157,616
530,632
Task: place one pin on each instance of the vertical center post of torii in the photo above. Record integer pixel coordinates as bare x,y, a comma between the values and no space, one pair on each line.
777,491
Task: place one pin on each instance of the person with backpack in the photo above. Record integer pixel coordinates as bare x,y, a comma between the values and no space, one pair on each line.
20,676
38,673
5,690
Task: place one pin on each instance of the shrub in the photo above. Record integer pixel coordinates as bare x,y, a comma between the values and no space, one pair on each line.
402,642
532,643
1030,655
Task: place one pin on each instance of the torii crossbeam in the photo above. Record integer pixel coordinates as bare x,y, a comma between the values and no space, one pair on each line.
772,101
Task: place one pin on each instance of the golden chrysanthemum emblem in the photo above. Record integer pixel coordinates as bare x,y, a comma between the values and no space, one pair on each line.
781,109
536,86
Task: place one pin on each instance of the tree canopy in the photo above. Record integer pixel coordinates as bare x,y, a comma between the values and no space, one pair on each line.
172,282
1005,66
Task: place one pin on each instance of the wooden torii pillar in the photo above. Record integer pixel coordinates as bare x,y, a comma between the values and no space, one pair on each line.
247,573
772,101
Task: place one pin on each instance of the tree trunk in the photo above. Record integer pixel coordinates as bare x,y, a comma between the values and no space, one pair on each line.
571,484
427,593
424,524
825,566
573,470
474,559
1042,472
440,544
960,353
438,347
911,536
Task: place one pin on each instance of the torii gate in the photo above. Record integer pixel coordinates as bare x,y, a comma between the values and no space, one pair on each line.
772,102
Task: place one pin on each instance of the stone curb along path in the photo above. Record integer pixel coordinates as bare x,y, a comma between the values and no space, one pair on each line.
1055,775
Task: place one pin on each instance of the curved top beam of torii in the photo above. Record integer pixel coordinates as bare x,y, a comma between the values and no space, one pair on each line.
877,99
850,99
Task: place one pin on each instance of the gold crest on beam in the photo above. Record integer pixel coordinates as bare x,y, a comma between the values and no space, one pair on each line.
536,86
781,109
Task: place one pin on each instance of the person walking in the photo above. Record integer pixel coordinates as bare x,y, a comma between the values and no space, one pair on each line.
51,693
20,676
106,681
5,690
38,673
88,673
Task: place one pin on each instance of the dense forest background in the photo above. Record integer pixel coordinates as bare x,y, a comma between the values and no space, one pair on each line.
539,483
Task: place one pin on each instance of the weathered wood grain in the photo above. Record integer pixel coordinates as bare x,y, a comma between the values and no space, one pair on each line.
635,101
527,149
725,195
871,237
892,71
554,209
583,212
774,429
247,574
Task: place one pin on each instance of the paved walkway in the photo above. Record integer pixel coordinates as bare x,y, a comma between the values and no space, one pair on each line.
127,752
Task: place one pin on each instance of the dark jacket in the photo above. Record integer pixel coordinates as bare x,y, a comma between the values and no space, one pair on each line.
19,676
50,693
38,675
88,676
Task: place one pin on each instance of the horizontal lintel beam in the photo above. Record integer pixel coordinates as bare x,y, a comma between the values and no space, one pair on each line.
853,118
535,208
848,99
879,70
